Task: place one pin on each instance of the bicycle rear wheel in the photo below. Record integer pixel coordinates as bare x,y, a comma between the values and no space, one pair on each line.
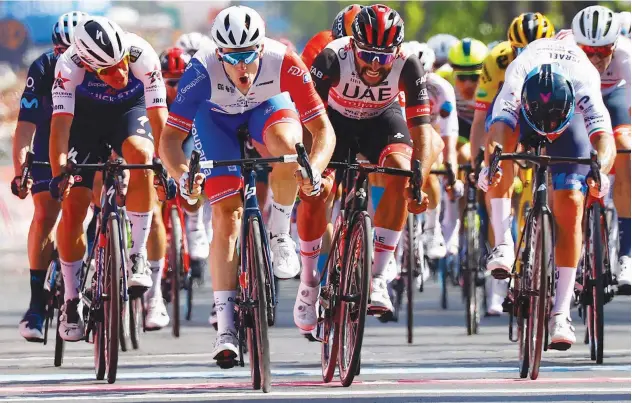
112,312
409,276
175,268
472,315
542,270
355,279
257,288
594,264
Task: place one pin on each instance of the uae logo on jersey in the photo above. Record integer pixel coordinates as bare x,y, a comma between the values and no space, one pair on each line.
154,76
60,81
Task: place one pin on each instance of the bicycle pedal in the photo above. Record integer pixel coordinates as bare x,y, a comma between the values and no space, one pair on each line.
227,364
500,274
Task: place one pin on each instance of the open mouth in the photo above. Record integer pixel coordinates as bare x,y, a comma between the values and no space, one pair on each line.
372,74
243,80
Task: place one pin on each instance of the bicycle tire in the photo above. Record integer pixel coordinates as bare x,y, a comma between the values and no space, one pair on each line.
472,315
189,287
443,278
596,259
545,263
135,320
258,293
360,238
112,311
59,344
124,334
331,325
410,227
175,268
523,284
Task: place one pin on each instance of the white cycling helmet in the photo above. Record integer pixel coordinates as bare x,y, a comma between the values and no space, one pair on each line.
100,43
64,28
192,42
596,26
441,45
625,19
424,52
238,27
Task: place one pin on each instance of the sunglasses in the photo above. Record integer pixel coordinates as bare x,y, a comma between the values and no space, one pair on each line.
467,77
238,57
601,51
368,56
108,71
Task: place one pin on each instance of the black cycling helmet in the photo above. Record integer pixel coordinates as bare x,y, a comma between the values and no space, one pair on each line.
548,99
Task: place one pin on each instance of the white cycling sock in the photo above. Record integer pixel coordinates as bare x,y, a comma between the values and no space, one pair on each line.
501,221
385,243
310,252
194,220
564,290
224,309
280,215
156,278
451,223
432,219
71,272
141,222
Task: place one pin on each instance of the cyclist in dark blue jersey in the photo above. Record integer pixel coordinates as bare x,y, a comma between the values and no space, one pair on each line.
34,127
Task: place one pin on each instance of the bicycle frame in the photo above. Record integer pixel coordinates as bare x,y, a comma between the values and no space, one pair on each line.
166,218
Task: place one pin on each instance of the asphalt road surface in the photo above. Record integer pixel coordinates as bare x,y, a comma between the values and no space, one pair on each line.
443,364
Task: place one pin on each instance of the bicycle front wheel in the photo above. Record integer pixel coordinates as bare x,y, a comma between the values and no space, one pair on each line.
331,313
355,279
112,281
257,287
409,277
472,315
594,264
175,268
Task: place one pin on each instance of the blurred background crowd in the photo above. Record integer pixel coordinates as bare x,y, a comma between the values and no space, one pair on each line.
25,28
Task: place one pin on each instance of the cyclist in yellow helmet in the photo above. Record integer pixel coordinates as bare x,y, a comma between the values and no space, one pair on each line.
466,59
524,29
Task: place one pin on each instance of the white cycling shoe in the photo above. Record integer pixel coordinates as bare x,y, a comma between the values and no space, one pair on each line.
225,350
435,244
380,300
624,278
305,316
157,316
561,331
71,326
284,258
501,261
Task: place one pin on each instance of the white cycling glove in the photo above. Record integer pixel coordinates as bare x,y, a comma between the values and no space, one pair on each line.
308,189
184,189
458,189
483,179
603,190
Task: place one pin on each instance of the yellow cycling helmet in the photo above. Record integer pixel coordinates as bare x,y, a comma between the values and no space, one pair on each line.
527,27
467,56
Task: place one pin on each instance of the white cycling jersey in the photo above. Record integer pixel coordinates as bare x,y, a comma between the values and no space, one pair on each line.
573,61
618,72
443,112
73,83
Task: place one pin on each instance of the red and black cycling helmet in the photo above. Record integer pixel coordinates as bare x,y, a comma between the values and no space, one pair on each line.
378,27
173,61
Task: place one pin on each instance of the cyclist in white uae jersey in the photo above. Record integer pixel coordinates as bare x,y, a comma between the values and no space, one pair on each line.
574,137
596,31
107,87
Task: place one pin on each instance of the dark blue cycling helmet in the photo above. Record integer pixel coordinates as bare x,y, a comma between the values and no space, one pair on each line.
548,99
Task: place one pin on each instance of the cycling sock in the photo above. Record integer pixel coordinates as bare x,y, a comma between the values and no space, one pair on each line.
280,215
501,221
156,277
565,290
72,278
37,290
194,220
225,308
432,219
208,221
141,222
451,223
385,243
624,237
310,252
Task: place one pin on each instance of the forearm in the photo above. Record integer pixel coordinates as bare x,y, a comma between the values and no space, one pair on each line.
323,142
449,152
423,150
606,149
58,143
22,141
171,152
477,134
157,120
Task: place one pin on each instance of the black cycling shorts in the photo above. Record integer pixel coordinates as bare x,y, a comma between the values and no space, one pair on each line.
93,130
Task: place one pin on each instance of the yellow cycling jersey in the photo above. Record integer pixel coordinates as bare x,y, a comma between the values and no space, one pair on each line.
493,75
445,72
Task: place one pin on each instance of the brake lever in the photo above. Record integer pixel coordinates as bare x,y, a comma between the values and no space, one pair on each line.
26,169
303,161
494,162
194,168
595,166
416,180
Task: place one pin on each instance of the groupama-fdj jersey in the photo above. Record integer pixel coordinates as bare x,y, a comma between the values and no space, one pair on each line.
591,114
74,85
36,107
102,114
336,80
282,91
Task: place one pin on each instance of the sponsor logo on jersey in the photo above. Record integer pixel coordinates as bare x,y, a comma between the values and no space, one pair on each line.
26,104
226,88
97,84
192,84
342,53
60,81
307,78
58,107
134,53
30,82
154,76
423,94
380,94
319,74
296,71
179,98
76,60
159,101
